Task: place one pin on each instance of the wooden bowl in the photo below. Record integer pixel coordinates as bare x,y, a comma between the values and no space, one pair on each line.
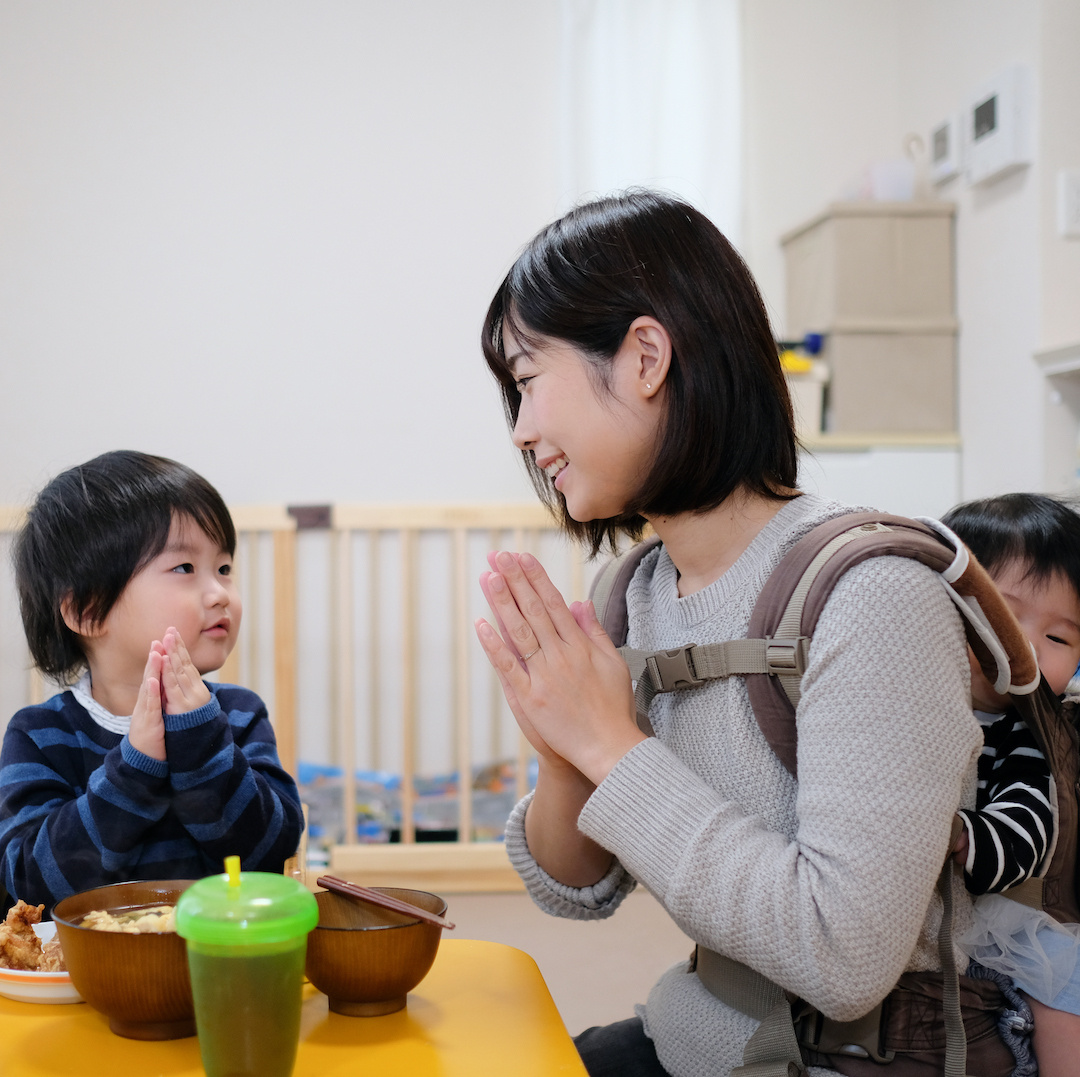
140,982
368,959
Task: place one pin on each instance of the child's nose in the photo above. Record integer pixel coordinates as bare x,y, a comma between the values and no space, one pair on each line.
217,594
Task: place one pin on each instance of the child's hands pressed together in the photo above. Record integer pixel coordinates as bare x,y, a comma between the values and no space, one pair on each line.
182,686
147,731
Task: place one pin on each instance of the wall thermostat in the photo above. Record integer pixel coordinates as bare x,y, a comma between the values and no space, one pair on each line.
997,127
945,150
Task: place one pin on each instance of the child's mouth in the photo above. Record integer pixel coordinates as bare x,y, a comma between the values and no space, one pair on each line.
218,631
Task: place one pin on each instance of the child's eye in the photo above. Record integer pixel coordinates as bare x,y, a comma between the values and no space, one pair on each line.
225,570
185,568
1057,639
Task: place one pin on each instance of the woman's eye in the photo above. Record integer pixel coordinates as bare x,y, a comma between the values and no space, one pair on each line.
522,382
185,568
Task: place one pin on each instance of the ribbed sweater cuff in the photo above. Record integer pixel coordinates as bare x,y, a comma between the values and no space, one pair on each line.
140,761
175,723
647,812
575,903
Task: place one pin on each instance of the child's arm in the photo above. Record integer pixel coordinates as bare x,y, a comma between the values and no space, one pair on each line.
230,792
75,814
1009,834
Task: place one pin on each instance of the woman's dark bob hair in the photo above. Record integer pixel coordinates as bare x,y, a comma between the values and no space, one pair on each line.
585,278
89,531
1039,531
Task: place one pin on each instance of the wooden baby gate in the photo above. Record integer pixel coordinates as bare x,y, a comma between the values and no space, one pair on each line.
267,546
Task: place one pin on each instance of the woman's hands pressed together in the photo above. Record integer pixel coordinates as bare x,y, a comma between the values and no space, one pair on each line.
566,684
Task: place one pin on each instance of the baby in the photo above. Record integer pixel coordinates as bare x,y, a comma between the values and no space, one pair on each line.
140,769
1030,545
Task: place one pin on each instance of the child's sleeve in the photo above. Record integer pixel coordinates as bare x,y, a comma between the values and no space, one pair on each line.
230,792
66,826
1013,827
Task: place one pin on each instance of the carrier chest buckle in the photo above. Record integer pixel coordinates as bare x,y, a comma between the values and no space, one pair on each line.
786,655
672,670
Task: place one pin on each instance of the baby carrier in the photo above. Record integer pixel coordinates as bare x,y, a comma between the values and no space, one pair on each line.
908,1023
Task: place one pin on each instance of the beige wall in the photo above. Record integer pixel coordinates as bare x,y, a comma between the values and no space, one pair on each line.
260,236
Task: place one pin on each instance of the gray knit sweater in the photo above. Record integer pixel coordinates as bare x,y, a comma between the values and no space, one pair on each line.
825,885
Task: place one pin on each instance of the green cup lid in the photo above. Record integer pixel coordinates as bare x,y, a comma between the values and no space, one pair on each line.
246,909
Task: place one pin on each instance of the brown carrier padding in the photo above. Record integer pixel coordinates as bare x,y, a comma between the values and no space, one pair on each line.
773,709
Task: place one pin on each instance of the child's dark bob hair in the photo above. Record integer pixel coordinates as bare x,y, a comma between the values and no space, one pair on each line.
89,531
1039,531
585,278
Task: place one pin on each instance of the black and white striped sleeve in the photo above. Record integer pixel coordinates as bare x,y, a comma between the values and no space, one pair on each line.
1012,827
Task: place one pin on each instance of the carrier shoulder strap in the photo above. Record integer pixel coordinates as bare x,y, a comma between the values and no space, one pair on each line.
773,657
782,625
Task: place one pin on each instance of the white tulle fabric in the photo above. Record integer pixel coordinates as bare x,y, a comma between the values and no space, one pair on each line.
1039,953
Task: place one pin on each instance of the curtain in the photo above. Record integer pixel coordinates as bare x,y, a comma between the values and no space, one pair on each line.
651,97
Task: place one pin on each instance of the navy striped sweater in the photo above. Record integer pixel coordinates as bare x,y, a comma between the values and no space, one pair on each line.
80,807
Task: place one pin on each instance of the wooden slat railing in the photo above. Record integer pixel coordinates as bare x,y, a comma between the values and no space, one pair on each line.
273,529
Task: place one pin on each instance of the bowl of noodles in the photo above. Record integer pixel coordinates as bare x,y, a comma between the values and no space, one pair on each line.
125,958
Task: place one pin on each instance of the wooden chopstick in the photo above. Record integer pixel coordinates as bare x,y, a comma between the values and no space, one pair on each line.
375,897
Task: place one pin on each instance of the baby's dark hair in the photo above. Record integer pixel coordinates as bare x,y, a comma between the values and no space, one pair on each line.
1040,531
89,531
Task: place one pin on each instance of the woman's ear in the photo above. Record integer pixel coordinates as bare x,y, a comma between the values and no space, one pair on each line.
81,626
651,343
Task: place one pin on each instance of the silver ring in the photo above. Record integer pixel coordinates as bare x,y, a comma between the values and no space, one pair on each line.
526,657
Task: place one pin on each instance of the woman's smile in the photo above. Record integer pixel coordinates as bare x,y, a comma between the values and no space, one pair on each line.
564,412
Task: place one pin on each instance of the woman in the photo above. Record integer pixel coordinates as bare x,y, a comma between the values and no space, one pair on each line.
642,383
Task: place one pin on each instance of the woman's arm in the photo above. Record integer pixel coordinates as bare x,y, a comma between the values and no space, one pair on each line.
551,828
577,669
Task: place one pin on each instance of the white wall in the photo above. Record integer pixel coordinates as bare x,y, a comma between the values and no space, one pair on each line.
821,102
952,46
260,237
834,85
1059,148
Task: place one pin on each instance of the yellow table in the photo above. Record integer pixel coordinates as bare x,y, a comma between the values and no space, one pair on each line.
484,1009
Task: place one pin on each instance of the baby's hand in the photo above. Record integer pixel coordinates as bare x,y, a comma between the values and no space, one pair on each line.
960,849
184,689
147,732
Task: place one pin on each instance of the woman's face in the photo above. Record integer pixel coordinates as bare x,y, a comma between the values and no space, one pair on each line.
596,443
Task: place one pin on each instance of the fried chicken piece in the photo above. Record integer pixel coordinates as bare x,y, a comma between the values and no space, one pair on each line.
20,948
52,957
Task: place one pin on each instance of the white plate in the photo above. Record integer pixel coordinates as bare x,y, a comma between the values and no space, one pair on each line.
53,988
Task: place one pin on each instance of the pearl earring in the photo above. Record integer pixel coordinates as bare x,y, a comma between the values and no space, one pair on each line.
647,385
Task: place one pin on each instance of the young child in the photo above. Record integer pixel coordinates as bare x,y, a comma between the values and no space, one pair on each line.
1030,545
140,769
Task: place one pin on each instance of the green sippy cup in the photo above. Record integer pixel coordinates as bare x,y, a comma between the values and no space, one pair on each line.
246,938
